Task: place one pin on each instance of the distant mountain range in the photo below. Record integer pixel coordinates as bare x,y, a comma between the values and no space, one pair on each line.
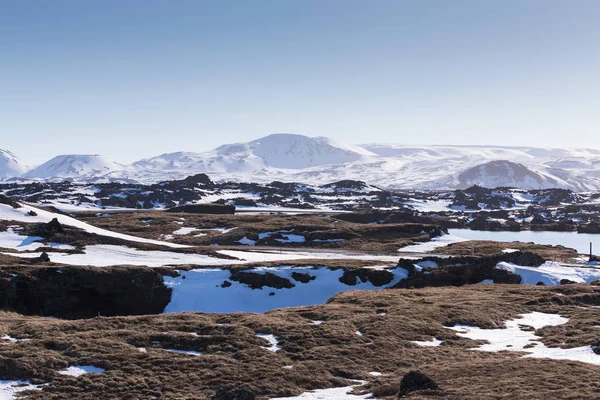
288,157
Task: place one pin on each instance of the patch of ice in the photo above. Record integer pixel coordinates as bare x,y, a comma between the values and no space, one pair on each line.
316,322
510,250
359,333
7,213
247,242
513,338
340,393
374,373
184,231
551,273
290,238
431,343
439,241
427,264
201,291
78,370
12,339
287,367
186,352
8,389
272,339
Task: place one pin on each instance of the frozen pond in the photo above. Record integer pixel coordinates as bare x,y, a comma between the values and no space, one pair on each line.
577,241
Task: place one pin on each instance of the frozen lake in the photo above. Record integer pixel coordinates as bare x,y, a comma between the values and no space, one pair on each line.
577,241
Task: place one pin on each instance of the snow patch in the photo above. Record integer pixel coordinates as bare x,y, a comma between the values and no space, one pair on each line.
513,338
78,370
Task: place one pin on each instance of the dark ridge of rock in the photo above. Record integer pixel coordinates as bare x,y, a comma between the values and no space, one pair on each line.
240,201
303,277
346,184
198,180
415,381
592,227
567,282
376,277
51,227
345,234
32,213
458,271
226,284
44,257
208,208
234,394
10,202
255,280
85,292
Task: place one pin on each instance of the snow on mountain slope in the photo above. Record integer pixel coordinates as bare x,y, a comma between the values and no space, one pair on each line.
289,158
284,151
11,165
75,166
508,174
298,152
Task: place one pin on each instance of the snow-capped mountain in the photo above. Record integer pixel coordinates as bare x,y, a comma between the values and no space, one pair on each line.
284,151
288,158
504,173
11,165
85,167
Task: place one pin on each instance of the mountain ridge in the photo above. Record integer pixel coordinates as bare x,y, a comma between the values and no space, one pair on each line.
291,157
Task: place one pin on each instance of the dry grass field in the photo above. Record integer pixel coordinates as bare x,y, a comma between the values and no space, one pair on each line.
321,354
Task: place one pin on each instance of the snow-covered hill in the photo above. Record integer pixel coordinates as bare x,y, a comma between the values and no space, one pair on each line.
287,157
284,151
84,167
11,165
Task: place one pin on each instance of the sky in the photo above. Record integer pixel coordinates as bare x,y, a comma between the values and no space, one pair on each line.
136,78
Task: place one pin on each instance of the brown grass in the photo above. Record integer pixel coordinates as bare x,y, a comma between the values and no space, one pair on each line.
484,248
320,353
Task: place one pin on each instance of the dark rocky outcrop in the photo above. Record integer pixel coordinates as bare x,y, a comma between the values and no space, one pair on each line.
51,227
84,292
257,281
567,282
414,381
8,201
234,394
376,277
458,271
592,227
208,208
303,277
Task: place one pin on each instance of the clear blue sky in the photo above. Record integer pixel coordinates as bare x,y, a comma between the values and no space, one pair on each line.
137,78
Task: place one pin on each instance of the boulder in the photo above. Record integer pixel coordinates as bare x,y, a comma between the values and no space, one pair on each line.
414,381
257,281
51,227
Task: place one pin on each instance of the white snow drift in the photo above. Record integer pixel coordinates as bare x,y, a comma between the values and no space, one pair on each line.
513,338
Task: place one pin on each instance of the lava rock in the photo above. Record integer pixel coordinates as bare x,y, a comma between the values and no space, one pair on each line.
51,227
234,394
567,282
377,278
414,381
44,257
302,277
258,281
